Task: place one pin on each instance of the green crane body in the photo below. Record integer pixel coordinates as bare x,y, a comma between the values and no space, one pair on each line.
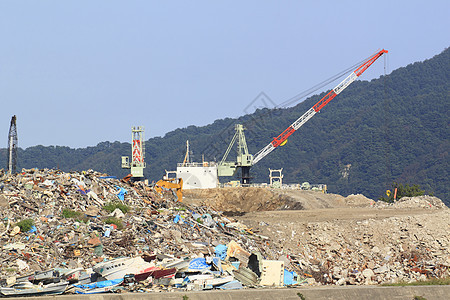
243,161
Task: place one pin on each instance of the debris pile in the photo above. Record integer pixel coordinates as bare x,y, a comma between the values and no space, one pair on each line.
414,202
354,251
401,251
86,232
100,234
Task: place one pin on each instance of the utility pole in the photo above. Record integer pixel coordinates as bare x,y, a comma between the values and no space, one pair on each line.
12,147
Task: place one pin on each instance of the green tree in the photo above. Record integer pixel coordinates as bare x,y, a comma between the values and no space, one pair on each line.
402,191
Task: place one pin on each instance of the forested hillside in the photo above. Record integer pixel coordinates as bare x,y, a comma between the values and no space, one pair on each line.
395,128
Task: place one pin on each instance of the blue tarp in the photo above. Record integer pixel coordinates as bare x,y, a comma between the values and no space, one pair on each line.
221,251
198,264
99,284
84,192
122,192
177,219
289,277
236,264
33,229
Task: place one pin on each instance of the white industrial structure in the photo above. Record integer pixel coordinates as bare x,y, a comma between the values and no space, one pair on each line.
198,175
279,178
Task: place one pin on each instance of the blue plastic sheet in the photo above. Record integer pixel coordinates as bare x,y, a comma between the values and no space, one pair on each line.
198,264
289,277
221,251
122,192
99,284
177,219
33,229
84,192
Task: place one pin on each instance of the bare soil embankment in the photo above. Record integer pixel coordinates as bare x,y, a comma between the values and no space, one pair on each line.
244,200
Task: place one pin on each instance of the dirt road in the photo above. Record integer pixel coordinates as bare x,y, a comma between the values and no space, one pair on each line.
329,214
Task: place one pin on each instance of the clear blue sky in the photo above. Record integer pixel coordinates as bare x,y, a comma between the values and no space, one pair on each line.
81,72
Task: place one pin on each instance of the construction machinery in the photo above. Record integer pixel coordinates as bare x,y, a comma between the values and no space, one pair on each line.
245,160
171,184
137,164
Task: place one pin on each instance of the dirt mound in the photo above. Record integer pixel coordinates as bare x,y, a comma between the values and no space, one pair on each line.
358,200
239,200
242,200
316,200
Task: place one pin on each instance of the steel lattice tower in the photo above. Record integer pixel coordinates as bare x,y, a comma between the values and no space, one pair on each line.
12,147
137,164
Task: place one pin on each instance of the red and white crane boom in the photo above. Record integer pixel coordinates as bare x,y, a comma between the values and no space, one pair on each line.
317,107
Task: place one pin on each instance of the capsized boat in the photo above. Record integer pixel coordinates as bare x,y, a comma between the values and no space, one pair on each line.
119,267
98,287
72,275
29,289
49,276
206,281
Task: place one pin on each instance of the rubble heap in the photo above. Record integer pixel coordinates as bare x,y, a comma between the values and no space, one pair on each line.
398,252
358,250
70,226
61,223
425,201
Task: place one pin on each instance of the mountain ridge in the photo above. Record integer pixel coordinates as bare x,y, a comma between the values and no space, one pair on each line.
393,128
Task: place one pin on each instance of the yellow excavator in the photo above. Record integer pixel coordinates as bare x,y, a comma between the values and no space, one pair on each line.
171,184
